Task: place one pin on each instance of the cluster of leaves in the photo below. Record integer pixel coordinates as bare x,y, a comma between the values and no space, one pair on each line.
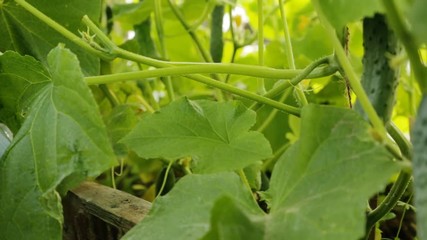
324,166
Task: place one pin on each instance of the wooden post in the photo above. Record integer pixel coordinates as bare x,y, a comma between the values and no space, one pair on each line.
94,211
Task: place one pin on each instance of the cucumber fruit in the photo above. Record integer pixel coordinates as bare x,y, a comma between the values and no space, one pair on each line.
216,41
379,80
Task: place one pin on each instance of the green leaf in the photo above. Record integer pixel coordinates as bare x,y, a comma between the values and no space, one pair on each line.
184,213
341,12
62,141
320,186
417,20
214,134
24,33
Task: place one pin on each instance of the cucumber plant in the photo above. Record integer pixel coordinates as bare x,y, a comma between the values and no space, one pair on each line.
205,120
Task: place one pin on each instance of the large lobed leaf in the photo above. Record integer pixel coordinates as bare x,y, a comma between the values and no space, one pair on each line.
22,32
214,134
61,142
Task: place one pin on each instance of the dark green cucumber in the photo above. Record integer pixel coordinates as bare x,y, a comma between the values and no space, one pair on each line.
419,167
216,41
170,181
379,80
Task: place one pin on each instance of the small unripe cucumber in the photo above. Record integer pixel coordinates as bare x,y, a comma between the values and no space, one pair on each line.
216,41
379,80
419,167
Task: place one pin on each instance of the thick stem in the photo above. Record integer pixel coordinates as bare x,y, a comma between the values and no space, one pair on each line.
237,69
